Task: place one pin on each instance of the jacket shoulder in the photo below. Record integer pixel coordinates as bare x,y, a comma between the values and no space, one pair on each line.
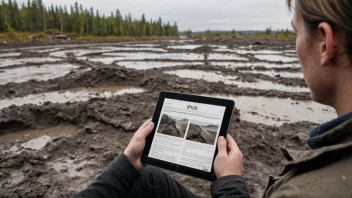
332,180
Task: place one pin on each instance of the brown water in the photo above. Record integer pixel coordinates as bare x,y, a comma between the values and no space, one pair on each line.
70,95
32,134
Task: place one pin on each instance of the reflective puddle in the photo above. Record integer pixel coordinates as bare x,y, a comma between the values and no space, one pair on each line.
290,51
37,135
78,52
239,51
11,62
144,65
171,56
39,73
185,47
107,60
70,96
275,111
232,80
10,54
142,56
274,74
37,144
256,64
46,50
141,45
137,49
276,58
181,41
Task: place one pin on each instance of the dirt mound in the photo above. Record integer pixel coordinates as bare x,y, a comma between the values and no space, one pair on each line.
203,49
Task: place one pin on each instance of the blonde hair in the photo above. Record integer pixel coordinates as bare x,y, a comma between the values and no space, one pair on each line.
338,13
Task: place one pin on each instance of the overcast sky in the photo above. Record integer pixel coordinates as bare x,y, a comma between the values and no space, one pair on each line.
200,14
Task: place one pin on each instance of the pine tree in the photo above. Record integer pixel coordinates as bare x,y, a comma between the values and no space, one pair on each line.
33,16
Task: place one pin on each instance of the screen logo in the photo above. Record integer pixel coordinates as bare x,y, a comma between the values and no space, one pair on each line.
192,107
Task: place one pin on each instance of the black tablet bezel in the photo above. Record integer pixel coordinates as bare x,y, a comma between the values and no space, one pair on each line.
229,104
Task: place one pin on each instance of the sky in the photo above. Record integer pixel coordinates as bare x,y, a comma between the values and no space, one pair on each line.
199,15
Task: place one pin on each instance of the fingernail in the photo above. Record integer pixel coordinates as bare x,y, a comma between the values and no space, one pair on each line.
151,124
221,138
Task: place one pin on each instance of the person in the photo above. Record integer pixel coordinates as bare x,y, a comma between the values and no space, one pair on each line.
324,49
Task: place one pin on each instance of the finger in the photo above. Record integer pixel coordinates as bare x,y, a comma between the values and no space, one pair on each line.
146,130
231,143
145,124
222,146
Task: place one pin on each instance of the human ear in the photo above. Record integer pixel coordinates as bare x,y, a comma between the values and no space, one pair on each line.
327,43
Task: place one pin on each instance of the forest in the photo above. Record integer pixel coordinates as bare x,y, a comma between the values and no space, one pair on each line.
34,16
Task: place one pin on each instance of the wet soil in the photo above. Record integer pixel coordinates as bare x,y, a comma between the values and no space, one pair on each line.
57,149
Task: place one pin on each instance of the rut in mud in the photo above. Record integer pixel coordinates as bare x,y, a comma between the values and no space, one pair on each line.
67,111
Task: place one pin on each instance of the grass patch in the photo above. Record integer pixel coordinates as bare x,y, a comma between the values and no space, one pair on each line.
24,37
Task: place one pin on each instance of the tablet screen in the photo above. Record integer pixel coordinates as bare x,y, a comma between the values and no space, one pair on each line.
186,133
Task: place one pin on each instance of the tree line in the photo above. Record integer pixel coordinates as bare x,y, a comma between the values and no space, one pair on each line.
33,16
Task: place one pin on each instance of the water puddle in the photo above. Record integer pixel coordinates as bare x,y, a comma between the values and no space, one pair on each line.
274,74
226,57
11,62
10,54
171,56
239,51
37,134
246,47
78,52
70,96
181,41
107,60
144,65
232,80
290,51
141,45
185,47
276,111
36,144
137,49
142,56
46,50
276,58
39,73
256,64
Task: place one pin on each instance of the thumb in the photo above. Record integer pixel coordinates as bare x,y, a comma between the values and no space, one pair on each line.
146,130
222,146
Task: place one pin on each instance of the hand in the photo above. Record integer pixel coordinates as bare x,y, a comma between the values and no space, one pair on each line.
136,146
229,158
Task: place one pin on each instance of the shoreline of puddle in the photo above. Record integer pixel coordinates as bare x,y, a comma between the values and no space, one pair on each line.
212,76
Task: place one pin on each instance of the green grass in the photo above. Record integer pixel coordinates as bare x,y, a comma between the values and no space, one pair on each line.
23,37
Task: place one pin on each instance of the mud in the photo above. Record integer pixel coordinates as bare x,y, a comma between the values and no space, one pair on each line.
59,130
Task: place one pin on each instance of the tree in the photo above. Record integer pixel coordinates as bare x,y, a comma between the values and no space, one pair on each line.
11,33
34,16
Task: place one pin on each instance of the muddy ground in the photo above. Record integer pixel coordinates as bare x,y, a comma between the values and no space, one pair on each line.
58,132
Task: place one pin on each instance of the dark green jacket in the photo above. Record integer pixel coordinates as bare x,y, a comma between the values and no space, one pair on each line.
322,173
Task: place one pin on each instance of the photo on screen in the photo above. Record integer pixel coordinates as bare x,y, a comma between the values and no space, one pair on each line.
172,125
202,132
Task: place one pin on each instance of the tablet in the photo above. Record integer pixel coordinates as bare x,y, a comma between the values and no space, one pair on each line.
186,131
